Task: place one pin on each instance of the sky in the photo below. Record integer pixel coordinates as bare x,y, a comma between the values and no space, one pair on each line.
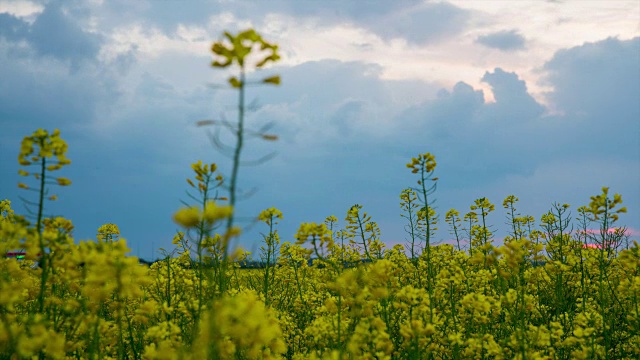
531,98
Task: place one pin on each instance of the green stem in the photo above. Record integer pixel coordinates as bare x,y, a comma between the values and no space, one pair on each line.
234,180
364,241
428,243
238,149
43,255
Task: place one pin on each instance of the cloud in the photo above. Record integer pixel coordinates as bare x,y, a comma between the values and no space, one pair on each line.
50,75
506,40
479,140
13,28
55,33
346,133
466,106
131,140
596,79
58,34
423,24
450,110
416,21
40,91
329,99
596,87
23,9
513,101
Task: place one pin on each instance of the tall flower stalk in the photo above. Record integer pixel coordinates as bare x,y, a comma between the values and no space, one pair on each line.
605,211
48,146
425,165
234,51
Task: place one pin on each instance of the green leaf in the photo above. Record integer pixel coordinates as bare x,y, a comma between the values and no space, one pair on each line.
275,80
235,82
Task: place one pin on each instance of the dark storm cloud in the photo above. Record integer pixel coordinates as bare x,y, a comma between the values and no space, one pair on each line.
55,33
513,101
334,100
503,40
39,91
480,146
56,79
346,113
597,87
478,140
328,114
418,22
51,77
317,90
451,109
599,79
466,107
422,24
13,28
337,8
593,142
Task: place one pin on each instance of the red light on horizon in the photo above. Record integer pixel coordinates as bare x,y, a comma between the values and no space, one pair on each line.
16,253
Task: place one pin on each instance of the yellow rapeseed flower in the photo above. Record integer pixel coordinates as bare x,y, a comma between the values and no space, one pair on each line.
63,181
187,217
213,212
269,214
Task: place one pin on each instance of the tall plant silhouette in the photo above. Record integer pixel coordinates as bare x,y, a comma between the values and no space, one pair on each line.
36,150
234,51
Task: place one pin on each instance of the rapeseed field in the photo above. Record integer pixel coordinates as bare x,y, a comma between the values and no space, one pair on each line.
555,289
